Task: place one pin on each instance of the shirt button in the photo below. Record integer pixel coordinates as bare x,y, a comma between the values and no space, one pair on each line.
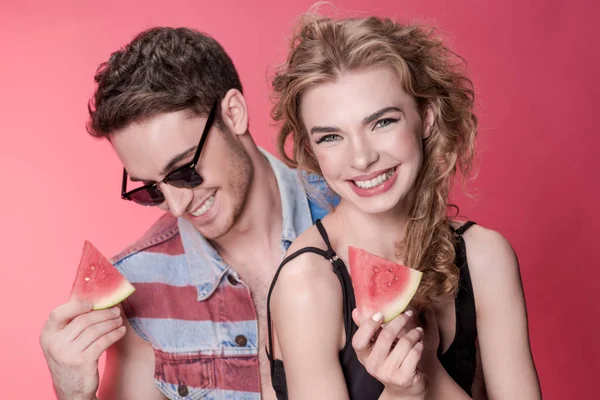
183,390
232,279
241,340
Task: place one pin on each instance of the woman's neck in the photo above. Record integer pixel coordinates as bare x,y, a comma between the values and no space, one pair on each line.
375,233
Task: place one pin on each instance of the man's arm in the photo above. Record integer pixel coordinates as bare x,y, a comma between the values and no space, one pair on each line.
129,370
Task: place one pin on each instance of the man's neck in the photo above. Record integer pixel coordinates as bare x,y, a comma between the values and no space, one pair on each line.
258,229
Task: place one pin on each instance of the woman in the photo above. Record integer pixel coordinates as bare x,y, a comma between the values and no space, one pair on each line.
384,114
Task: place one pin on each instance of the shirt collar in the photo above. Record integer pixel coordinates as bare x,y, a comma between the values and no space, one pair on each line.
207,268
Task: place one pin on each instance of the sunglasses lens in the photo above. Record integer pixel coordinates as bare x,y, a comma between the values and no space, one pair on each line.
185,178
148,196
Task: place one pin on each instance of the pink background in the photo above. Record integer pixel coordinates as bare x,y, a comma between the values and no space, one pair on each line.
535,67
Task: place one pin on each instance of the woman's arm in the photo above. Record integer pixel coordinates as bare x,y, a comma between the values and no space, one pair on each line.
502,326
306,307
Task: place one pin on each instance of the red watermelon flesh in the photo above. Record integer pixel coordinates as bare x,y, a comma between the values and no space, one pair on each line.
98,281
381,285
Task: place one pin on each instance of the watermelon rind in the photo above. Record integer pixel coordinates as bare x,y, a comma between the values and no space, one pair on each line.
399,305
117,296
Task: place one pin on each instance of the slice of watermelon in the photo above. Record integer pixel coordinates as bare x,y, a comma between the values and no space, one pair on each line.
381,285
98,281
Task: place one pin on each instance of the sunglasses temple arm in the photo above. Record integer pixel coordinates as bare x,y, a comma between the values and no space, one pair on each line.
209,122
124,184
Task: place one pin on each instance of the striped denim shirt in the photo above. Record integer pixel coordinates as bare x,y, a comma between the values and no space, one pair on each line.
192,308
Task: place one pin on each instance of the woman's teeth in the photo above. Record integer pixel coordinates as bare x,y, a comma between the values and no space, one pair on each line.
205,207
378,180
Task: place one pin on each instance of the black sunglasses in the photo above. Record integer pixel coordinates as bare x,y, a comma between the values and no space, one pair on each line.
185,176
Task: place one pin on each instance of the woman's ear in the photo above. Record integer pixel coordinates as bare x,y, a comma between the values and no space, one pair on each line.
428,120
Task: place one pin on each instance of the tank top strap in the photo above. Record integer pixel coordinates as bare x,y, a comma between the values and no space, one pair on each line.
463,228
339,269
466,315
461,258
466,286
330,255
349,301
459,359
289,258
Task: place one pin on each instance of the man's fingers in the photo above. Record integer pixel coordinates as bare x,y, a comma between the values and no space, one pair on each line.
98,347
94,332
63,314
82,322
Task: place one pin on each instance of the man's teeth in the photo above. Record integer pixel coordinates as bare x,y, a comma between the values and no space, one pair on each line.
378,180
205,207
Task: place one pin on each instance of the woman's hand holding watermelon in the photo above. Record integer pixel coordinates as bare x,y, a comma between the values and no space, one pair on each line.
73,340
392,354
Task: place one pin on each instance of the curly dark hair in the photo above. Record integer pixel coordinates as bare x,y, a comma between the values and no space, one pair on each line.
162,70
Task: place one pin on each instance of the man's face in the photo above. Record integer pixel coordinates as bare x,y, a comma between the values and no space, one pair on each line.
152,148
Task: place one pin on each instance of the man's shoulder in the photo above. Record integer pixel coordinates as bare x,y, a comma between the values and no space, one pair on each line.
161,237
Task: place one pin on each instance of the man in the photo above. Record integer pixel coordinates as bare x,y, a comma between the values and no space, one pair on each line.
171,105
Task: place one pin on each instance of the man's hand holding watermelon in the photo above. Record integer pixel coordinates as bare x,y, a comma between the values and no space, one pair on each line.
80,330
73,339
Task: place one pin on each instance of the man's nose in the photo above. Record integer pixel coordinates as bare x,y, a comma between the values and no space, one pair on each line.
177,199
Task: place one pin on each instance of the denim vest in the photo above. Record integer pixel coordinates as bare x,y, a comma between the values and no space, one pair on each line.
192,308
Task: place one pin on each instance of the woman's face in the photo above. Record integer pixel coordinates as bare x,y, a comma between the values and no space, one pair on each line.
366,133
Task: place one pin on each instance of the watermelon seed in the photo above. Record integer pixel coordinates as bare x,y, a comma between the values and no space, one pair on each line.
92,267
395,278
376,269
87,279
390,269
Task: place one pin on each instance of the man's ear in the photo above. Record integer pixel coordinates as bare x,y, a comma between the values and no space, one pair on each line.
234,112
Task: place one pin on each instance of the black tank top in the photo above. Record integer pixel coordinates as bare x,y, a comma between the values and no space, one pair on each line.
459,360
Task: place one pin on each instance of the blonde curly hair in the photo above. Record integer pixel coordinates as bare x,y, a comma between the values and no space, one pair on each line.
320,50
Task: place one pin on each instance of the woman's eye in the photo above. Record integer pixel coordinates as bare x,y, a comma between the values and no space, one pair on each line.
327,138
382,123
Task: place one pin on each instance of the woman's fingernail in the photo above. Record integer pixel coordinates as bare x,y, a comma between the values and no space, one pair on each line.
420,329
377,317
409,313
